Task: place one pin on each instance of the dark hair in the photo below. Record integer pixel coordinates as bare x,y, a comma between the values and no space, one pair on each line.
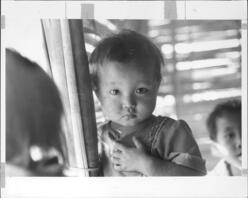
33,106
126,46
231,106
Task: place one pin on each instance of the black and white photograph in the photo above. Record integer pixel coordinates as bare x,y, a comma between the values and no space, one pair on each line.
95,106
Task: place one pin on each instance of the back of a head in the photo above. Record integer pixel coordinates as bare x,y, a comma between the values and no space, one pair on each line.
33,109
124,47
230,106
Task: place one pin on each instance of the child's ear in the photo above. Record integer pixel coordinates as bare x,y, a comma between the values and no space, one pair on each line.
158,85
96,91
94,87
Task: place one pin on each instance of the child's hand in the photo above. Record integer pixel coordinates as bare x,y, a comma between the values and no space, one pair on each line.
129,159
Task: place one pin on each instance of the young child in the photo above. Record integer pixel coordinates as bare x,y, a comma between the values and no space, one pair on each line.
126,75
224,126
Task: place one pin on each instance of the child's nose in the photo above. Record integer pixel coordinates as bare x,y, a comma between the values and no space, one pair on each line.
238,142
128,101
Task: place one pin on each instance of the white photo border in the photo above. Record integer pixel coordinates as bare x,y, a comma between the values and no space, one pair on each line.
127,187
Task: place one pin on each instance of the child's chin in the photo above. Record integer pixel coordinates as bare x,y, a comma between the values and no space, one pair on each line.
130,123
237,162
240,158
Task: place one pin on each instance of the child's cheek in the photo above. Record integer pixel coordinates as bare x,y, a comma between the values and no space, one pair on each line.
222,149
111,105
146,106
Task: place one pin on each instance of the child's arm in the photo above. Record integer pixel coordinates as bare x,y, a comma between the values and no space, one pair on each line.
159,167
137,159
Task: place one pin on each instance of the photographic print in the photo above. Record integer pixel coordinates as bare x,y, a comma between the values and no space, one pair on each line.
154,101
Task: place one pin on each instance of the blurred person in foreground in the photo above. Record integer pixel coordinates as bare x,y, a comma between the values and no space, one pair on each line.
224,126
33,116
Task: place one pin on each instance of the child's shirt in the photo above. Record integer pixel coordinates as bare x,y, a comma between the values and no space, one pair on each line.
163,138
223,168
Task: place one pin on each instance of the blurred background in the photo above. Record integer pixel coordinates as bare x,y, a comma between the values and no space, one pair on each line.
202,67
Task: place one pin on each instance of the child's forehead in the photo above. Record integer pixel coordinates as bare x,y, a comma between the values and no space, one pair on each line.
229,114
229,119
131,66
115,73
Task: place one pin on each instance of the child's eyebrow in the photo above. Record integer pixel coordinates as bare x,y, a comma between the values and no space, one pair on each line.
147,82
228,129
114,82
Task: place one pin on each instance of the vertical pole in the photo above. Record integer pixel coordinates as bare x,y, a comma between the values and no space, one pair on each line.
85,93
170,9
174,75
70,72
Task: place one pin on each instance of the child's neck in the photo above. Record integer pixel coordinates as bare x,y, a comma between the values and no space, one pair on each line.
234,170
130,129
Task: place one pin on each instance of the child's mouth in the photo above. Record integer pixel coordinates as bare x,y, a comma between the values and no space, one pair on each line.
239,156
129,116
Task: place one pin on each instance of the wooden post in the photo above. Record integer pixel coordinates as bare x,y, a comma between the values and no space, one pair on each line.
69,65
85,93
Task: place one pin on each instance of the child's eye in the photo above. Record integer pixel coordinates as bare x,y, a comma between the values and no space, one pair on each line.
230,135
114,91
141,90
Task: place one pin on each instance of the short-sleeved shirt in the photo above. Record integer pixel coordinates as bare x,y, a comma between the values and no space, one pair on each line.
163,137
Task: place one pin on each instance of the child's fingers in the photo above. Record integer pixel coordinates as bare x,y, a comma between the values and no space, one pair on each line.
117,153
119,146
115,160
118,167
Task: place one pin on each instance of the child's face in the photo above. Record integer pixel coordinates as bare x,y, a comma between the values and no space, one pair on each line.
127,92
229,136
